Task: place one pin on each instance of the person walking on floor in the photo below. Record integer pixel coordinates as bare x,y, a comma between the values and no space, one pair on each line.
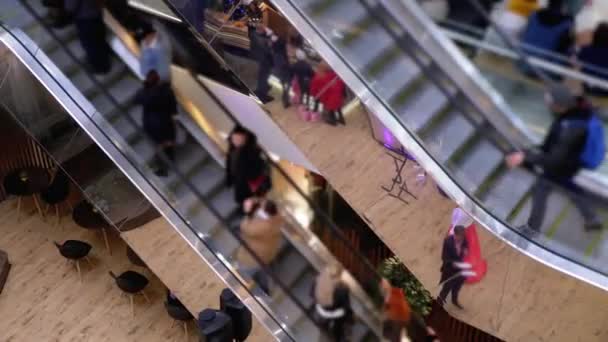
281,66
454,250
159,112
246,169
302,73
332,303
575,141
88,17
261,232
329,90
260,51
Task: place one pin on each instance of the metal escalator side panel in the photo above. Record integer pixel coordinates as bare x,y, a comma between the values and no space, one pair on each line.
104,135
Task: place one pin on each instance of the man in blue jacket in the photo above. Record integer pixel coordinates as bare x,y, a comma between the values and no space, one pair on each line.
559,158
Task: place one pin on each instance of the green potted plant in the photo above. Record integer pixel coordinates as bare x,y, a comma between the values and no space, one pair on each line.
419,298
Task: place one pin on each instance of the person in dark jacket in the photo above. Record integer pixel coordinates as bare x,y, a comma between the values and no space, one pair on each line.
332,303
88,17
303,72
559,159
594,57
260,51
281,66
454,250
159,111
246,169
56,16
548,34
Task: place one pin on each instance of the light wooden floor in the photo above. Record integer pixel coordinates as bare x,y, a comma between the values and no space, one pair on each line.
44,301
518,300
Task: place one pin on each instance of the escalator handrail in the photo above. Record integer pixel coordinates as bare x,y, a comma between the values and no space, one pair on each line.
334,229
180,175
469,203
546,65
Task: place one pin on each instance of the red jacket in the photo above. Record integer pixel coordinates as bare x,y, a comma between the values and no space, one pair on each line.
332,96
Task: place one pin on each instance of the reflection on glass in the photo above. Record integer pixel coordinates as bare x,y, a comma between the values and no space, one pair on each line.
470,153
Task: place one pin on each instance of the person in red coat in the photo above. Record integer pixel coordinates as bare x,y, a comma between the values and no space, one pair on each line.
328,89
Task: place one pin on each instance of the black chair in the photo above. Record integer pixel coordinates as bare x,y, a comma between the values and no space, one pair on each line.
131,283
75,250
57,193
178,312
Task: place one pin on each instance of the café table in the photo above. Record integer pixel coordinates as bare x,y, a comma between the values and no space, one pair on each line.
27,181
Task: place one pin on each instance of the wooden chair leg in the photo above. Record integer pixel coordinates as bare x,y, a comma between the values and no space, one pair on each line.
186,330
88,261
106,241
57,214
173,324
132,305
78,269
18,208
145,296
46,210
37,203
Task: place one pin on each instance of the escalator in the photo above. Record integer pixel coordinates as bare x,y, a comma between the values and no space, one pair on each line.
194,198
442,110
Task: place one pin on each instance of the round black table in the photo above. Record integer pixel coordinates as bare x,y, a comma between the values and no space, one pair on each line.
28,181
88,217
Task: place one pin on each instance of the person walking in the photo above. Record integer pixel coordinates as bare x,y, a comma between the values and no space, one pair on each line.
259,50
281,66
261,232
397,311
246,169
594,58
454,250
329,90
159,112
88,17
575,141
155,53
332,303
302,73
548,34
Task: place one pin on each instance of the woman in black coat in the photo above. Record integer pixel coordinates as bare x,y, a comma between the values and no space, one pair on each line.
159,112
246,169
454,250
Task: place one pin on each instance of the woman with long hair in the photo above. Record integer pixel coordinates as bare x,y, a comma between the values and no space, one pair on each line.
246,168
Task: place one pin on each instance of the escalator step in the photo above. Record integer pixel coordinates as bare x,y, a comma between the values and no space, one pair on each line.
449,135
420,108
395,77
503,197
477,164
225,243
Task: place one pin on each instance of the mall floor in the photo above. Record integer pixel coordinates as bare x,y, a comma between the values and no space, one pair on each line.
44,301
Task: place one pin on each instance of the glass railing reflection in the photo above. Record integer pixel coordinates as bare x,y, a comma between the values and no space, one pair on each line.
475,159
208,222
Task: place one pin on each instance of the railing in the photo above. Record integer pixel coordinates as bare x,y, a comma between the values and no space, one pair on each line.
372,277
119,150
480,103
